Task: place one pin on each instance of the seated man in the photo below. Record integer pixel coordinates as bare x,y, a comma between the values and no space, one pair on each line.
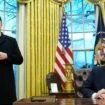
95,84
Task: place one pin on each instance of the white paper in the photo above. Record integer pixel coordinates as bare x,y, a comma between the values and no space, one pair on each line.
54,88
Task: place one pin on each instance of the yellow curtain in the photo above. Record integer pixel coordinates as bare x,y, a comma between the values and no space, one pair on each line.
43,22
103,8
24,1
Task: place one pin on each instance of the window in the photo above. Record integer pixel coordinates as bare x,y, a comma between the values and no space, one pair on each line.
81,26
8,13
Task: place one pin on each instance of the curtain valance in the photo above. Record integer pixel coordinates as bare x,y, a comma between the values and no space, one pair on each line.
24,1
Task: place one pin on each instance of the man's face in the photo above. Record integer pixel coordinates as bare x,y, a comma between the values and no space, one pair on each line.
0,24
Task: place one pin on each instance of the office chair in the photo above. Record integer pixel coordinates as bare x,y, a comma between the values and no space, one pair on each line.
80,76
53,77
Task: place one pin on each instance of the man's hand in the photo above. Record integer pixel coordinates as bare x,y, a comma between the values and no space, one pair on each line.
3,56
101,94
100,102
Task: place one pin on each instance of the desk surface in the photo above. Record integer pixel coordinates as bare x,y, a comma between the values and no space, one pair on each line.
75,101
63,95
62,101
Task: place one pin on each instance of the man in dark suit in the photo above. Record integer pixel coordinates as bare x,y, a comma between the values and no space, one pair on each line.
95,84
9,55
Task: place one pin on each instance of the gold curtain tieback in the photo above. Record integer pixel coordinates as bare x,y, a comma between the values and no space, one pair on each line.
94,1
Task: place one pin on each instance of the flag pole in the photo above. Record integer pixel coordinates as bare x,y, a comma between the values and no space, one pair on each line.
63,61
69,70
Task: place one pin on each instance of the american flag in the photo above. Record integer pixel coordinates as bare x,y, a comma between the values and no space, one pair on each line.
63,52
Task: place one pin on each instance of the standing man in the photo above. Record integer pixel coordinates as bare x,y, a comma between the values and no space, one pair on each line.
9,55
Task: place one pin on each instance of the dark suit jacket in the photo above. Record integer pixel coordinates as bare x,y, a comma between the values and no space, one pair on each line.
7,82
95,81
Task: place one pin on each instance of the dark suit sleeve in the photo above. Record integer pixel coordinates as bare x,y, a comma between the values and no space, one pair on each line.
15,57
87,88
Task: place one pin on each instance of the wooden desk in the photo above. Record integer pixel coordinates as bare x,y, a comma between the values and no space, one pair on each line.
63,95
75,101
62,101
